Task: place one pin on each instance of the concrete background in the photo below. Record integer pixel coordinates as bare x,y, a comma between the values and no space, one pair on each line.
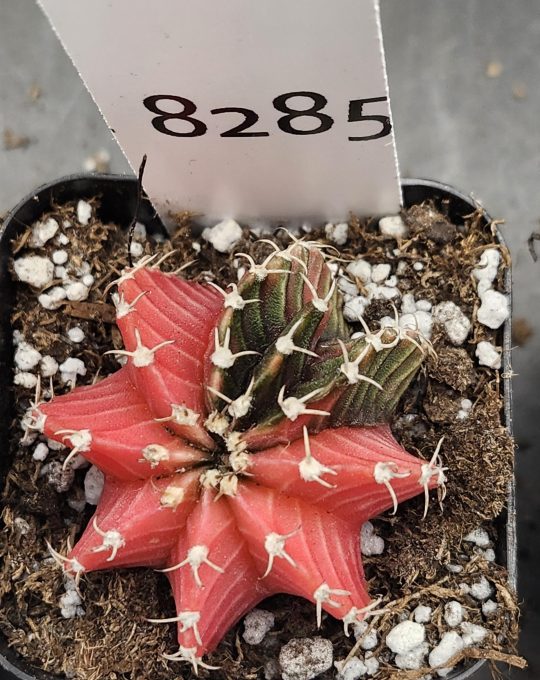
453,123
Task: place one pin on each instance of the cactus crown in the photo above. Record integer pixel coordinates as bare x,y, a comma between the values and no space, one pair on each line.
282,352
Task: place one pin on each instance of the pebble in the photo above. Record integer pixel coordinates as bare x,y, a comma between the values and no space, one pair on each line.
393,227
451,643
256,624
76,334
360,269
76,291
353,669
84,212
48,366
456,324
59,257
272,670
224,235
422,614
338,233
41,452
21,525
26,356
481,589
453,613
413,659
71,368
472,633
380,272
35,270
93,485
488,354
405,636
305,658
25,379
493,311
43,232
370,543
479,537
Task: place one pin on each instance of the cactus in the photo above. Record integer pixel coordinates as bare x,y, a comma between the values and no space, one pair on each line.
244,442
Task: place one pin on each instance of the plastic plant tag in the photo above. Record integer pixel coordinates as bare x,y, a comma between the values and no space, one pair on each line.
262,111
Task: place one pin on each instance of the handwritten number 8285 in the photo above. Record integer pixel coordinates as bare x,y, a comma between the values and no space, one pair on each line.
163,120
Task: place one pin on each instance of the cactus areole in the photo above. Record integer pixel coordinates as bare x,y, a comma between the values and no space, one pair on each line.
244,442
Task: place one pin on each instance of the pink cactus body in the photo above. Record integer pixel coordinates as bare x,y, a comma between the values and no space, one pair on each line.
244,443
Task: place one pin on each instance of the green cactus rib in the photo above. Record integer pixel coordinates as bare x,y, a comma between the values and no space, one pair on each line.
292,350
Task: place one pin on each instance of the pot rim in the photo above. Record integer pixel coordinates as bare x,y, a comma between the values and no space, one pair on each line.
90,184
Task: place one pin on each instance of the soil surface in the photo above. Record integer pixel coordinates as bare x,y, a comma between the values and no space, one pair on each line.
424,561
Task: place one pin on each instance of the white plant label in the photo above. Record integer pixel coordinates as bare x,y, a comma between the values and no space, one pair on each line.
261,110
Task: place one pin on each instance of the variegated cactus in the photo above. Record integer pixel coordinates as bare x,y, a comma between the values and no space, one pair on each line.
244,443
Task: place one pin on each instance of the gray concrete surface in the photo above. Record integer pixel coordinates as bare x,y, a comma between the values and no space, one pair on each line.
453,123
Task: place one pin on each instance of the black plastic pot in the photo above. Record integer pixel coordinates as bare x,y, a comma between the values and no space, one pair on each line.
118,199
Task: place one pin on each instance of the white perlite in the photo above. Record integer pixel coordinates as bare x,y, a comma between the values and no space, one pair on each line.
305,658
488,354
93,485
393,227
380,272
422,614
479,537
76,291
48,366
487,268
489,607
224,235
40,452
456,324
43,232
453,613
59,257
136,249
53,298
70,602
370,640
465,406
25,379
370,543
493,311
355,308
76,334
256,624
338,233
414,659
353,669
473,634
26,356
451,643
35,270
481,589
84,212
71,368
372,664
360,269
405,636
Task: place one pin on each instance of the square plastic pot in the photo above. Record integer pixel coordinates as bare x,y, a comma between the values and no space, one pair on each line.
118,199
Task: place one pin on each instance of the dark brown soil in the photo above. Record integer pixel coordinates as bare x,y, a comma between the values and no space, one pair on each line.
113,640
